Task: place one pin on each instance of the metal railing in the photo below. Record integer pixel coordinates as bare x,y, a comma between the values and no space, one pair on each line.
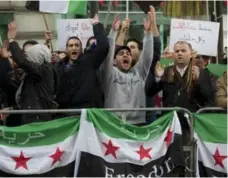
191,147
214,109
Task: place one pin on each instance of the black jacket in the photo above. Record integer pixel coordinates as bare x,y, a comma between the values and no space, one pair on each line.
213,79
156,58
79,84
5,67
174,94
38,88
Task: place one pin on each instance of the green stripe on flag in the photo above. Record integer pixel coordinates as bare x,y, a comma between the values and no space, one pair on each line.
108,123
211,127
39,134
77,7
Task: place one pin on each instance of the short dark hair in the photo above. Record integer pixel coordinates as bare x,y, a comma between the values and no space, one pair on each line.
206,58
139,43
30,42
73,37
90,38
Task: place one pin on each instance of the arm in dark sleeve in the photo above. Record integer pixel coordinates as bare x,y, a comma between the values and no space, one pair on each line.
157,53
19,57
203,84
152,87
5,67
100,52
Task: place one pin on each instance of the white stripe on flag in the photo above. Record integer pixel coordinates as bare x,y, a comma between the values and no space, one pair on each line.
91,142
60,7
206,150
40,161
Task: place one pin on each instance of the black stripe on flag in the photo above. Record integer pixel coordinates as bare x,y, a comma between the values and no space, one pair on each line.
168,165
32,5
207,172
65,171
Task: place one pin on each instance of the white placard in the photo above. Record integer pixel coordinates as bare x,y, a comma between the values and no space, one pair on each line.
82,28
202,35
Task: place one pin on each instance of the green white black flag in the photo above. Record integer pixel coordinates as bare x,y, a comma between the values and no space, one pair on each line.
109,148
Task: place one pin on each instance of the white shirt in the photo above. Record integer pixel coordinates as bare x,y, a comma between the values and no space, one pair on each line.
181,71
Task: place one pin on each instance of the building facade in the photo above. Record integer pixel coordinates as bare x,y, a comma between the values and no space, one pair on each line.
31,25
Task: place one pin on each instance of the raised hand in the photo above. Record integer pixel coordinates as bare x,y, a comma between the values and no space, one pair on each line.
152,14
12,30
195,72
48,36
116,23
95,19
159,70
150,19
125,25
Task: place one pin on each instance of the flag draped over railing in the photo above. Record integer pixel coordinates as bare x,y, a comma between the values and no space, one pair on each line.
99,144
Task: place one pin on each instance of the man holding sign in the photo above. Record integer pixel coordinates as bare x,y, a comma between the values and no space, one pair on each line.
78,71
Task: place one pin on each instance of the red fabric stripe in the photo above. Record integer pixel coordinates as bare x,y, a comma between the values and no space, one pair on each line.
115,2
101,2
226,3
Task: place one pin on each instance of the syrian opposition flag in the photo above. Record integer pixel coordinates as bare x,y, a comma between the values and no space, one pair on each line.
40,149
211,136
61,7
109,148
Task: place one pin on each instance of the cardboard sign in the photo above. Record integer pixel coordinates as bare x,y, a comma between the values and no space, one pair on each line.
202,35
82,28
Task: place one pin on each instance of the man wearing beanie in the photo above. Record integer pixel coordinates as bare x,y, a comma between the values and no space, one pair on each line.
124,85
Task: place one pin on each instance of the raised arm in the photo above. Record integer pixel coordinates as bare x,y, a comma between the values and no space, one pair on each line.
98,55
123,31
107,66
18,54
154,84
146,57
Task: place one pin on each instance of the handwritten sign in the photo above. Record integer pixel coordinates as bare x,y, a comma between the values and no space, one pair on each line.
202,35
82,28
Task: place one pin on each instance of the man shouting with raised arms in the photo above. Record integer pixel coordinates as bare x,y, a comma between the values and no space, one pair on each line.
124,85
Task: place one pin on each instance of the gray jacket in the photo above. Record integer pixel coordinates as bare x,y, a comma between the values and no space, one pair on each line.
126,90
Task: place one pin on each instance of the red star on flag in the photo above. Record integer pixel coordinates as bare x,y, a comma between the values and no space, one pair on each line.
144,153
168,138
110,149
56,156
21,161
219,158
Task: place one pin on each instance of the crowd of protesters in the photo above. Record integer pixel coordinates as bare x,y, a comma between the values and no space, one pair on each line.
109,73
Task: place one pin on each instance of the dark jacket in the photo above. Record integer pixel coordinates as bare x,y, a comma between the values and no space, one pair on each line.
175,94
149,81
38,88
5,67
213,79
79,84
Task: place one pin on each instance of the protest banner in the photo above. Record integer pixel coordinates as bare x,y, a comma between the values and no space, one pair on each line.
202,35
82,28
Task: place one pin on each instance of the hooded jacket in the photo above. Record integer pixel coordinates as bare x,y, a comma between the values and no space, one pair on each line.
38,85
126,90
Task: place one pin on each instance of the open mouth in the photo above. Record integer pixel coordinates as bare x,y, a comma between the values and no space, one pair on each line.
74,53
125,61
